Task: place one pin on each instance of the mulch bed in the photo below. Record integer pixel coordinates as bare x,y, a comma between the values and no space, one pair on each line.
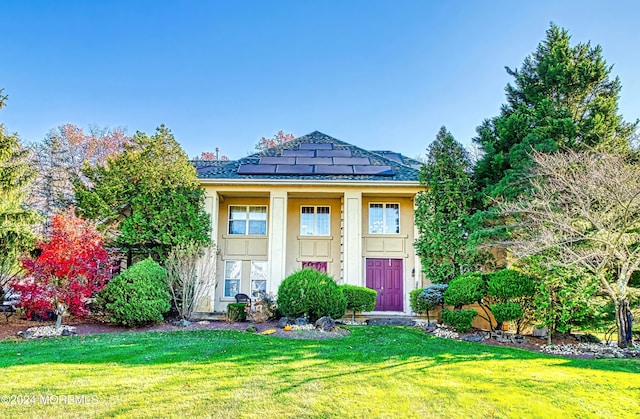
92,326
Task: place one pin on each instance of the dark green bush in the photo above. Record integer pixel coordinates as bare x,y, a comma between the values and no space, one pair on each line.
504,312
236,312
313,293
416,305
138,296
359,298
465,289
508,283
461,320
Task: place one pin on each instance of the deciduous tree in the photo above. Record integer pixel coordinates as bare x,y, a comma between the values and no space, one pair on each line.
59,159
584,211
71,266
278,139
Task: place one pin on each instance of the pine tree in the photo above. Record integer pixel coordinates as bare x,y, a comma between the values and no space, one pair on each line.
561,98
443,209
16,220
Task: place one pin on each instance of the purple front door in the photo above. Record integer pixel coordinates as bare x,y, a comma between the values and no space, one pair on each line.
385,276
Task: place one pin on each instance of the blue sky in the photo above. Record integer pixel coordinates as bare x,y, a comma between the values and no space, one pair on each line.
377,74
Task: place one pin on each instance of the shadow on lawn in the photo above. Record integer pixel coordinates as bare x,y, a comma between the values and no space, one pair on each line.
371,348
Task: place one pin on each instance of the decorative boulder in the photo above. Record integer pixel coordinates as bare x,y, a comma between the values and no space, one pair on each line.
283,322
301,321
326,324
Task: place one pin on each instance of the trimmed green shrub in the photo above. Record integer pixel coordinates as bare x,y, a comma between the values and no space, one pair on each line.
138,296
508,283
416,305
359,298
504,312
465,289
461,320
312,293
236,312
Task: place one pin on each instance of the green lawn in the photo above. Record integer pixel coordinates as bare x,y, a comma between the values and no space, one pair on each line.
375,372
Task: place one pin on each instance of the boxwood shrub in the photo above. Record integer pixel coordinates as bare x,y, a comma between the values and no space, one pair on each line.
359,298
465,289
236,312
312,293
138,296
461,320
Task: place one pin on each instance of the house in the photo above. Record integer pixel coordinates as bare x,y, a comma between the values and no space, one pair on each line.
315,202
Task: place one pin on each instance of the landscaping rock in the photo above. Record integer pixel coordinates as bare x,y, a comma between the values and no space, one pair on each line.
47,331
326,324
301,321
182,323
473,337
283,322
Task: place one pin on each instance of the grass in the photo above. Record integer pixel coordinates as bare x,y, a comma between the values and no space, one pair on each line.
374,372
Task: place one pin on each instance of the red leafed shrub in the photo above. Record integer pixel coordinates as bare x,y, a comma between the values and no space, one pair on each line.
72,265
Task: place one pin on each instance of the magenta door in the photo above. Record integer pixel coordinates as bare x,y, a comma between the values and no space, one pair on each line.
385,276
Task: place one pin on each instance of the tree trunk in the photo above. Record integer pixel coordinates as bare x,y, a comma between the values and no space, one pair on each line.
624,323
60,312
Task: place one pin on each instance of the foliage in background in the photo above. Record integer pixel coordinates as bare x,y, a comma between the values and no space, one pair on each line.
311,293
138,296
59,159
71,267
191,276
584,212
278,139
150,193
16,220
443,210
359,298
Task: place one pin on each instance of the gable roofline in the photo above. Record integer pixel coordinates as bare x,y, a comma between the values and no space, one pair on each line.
361,165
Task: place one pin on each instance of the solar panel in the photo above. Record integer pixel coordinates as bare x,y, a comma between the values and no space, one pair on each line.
256,169
294,169
396,157
277,160
314,160
381,170
334,170
298,153
333,153
351,160
316,146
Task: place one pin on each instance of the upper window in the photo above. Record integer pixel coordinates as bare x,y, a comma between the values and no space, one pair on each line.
248,220
384,218
315,221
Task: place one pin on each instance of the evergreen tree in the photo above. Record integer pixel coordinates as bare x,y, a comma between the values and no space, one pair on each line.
150,193
443,209
561,98
16,220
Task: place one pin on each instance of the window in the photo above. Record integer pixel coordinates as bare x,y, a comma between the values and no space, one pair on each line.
384,218
315,221
232,273
248,220
258,278
318,266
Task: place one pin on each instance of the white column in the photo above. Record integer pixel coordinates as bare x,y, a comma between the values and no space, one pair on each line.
212,207
353,272
277,240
